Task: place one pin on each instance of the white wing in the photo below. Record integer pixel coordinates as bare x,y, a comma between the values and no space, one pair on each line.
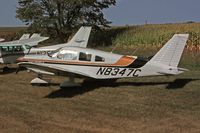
44,68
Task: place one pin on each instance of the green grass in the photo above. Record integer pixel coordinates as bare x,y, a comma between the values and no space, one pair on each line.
156,34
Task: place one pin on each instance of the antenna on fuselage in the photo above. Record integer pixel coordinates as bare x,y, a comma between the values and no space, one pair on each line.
114,48
135,50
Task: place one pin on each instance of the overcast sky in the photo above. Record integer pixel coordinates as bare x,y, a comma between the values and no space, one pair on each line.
130,12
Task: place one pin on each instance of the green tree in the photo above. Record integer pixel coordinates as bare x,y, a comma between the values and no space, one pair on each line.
58,17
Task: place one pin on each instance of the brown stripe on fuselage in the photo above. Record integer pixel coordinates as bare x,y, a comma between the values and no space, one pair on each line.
123,61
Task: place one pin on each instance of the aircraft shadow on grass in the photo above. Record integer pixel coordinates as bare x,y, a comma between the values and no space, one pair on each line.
9,70
88,86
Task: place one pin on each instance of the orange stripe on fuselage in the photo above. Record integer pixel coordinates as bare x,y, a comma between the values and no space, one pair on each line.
123,61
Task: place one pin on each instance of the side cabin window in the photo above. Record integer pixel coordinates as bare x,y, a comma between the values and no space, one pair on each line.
17,48
67,55
85,56
99,59
4,49
11,49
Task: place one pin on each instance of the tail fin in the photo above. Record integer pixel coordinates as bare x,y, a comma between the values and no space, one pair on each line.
25,36
35,35
170,53
81,37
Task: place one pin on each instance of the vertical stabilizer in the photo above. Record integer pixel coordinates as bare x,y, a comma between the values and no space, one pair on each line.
25,36
170,54
81,37
35,35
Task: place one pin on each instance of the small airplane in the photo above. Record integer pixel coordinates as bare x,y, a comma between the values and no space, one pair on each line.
79,61
10,52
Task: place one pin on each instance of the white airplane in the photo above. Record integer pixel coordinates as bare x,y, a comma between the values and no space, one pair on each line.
10,52
79,61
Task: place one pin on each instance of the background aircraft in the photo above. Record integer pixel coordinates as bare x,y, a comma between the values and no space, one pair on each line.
10,52
76,61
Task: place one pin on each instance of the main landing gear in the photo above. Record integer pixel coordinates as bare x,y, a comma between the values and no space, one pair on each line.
69,83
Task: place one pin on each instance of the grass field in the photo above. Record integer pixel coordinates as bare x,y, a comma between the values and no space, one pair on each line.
156,104
149,105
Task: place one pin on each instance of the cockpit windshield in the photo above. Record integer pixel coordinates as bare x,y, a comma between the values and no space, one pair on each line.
54,53
27,47
67,55
64,54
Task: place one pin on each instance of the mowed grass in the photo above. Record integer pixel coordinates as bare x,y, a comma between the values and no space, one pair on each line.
153,104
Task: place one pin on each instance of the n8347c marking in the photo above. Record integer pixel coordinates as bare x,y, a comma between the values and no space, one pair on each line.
123,72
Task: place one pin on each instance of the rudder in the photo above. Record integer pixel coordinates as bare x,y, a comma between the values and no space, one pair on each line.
170,54
81,38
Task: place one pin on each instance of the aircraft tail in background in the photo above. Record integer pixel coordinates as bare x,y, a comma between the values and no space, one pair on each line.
81,38
25,36
35,35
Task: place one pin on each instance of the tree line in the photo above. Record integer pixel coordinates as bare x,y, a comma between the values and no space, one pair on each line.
59,17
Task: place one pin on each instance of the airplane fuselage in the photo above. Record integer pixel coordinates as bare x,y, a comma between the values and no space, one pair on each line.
95,64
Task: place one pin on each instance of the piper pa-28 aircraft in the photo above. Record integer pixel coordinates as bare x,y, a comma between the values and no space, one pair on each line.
79,61
9,53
